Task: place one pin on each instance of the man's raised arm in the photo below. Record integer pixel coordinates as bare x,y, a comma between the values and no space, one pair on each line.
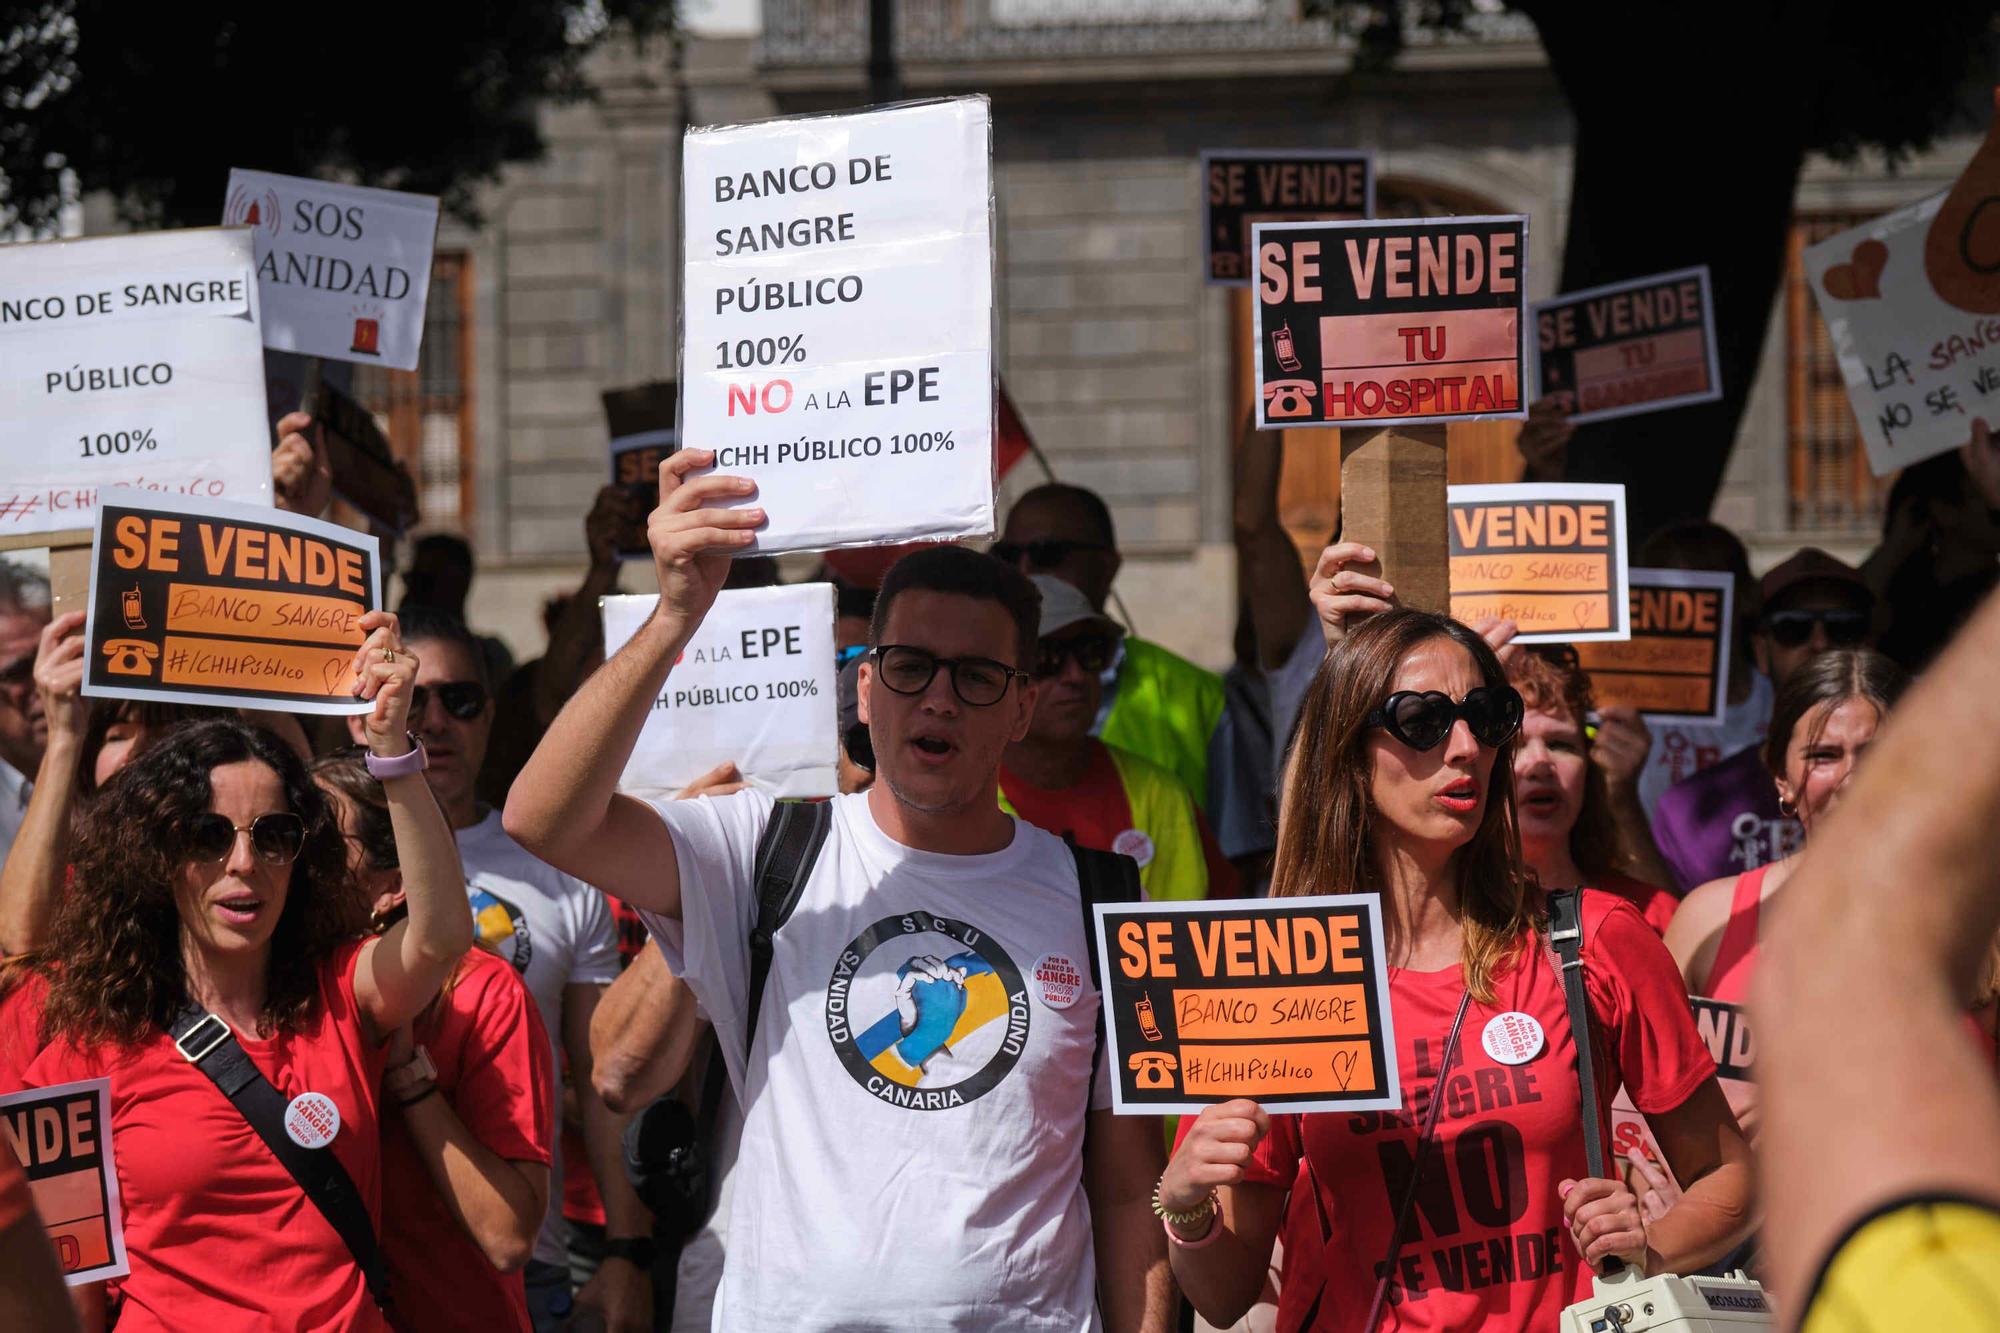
565,806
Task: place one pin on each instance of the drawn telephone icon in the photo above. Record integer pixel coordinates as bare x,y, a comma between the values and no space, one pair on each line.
1149,1026
130,657
1154,1069
133,607
1288,398
1286,348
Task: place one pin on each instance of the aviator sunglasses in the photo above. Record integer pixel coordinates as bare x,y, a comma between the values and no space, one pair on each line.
462,699
276,838
1093,652
1422,720
1790,629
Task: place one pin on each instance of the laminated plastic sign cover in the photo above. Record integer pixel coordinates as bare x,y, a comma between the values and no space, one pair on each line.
1548,556
1244,186
129,361
1284,1001
61,1135
837,321
1628,347
1675,667
234,606
755,687
1417,321
345,270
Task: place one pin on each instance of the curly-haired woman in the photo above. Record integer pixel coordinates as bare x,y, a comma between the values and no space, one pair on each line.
211,881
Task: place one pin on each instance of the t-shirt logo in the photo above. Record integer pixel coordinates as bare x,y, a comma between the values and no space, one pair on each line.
925,1012
500,927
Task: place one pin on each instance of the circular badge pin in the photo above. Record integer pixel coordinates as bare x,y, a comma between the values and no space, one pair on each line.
1058,980
312,1120
1135,844
1513,1038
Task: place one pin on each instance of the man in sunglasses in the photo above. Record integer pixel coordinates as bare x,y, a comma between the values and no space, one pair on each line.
1725,819
1061,778
920,1065
1157,705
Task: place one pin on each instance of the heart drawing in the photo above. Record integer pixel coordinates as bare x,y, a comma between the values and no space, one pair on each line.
1343,1067
333,671
1860,278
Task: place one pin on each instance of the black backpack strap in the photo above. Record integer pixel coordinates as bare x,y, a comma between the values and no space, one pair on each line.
1101,877
785,856
208,1044
1566,934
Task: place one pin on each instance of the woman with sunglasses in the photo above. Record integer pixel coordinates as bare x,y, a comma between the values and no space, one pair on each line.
211,898
1400,785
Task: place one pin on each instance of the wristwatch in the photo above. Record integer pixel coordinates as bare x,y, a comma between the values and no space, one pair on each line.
408,1078
398,766
639,1251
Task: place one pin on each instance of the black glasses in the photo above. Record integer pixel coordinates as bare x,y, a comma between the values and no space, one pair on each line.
463,699
1045,553
1093,652
275,838
1791,629
1422,721
979,681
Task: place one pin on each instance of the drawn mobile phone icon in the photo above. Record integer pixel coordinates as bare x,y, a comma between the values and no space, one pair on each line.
1288,352
134,609
1147,1024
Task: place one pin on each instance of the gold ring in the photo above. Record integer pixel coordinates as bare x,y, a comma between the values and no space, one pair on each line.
388,654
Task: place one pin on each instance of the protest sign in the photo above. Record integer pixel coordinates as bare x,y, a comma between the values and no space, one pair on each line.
1386,323
754,687
1675,667
128,361
1628,347
61,1135
1549,557
1245,186
366,472
838,323
344,270
200,602
641,420
1285,1001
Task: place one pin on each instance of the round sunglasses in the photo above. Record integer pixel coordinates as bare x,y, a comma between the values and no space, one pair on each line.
276,838
1422,719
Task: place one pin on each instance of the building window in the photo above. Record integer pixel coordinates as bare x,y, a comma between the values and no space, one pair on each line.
1829,487
427,413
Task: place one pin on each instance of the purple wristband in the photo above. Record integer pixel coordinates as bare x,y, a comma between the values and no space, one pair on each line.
398,766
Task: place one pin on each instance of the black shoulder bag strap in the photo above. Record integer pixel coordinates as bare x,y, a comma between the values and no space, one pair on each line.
1101,877
1566,934
207,1043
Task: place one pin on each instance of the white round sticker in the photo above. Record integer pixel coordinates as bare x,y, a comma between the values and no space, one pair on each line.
1135,844
1513,1038
312,1120
1058,980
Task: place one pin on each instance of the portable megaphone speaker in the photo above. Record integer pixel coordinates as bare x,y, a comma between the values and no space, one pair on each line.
1621,1301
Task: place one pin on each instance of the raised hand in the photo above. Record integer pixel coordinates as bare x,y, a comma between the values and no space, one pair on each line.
692,543
387,672
1341,595
1213,1154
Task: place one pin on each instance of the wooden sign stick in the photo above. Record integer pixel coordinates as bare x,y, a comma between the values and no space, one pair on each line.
1392,497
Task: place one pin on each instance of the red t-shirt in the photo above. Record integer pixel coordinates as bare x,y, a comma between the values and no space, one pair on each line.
492,1059
1653,902
1486,1246
20,1027
220,1237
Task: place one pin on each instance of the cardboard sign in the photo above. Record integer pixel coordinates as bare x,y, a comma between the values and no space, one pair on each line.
1285,1001
366,473
1628,347
61,1136
1381,323
755,687
1675,667
1244,186
642,422
344,270
838,321
230,605
128,361
1550,558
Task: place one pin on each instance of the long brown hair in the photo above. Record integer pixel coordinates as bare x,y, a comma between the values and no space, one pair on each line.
117,932
1326,815
1830,679
1551,680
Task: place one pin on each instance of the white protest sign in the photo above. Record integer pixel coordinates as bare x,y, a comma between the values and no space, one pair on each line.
128,361
755,688
838,326
344,270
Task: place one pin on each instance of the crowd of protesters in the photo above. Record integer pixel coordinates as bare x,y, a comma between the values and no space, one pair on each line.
590,1058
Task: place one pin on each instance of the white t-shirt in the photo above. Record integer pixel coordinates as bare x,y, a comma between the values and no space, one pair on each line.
1682,752
912,1150
556,931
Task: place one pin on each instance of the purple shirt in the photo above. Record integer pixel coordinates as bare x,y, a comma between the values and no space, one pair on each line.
1723,821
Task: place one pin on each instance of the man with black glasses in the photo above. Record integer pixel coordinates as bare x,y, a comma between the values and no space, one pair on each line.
1061,778
558,934
921,1062
1156,703
1726,819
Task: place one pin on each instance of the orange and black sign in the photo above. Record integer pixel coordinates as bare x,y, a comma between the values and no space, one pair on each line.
1284,1001
201,601
1243,187
61,1136
1629,347
1550,558
1675,667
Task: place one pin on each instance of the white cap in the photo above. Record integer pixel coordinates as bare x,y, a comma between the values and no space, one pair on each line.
1064,606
